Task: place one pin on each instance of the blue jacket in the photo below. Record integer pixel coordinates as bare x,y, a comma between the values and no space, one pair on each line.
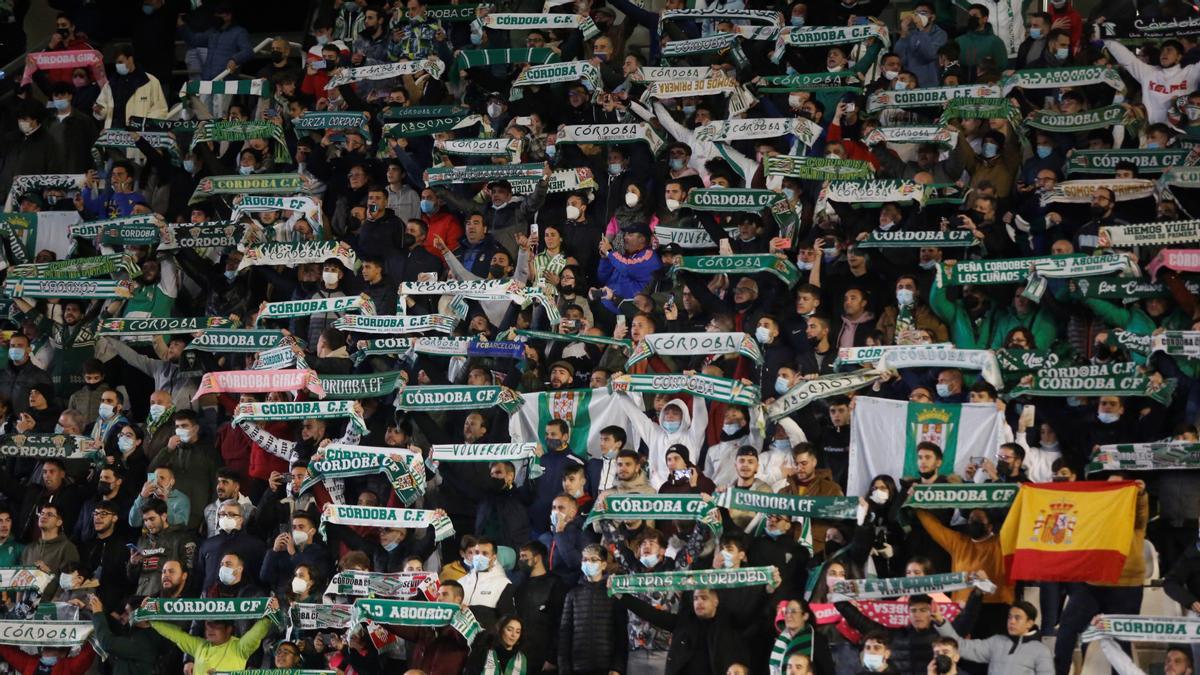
548,486
566,551
918,53
223,44
477,257
627,275
279,567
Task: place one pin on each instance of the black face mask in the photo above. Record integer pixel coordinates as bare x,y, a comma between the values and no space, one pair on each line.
497,485
976,529
973,23
277,56
1003,469
103,489
832,547
942,663
64,32
93,386
1097,211
567,289
408,241
927,474
496,271
1059,479
524,566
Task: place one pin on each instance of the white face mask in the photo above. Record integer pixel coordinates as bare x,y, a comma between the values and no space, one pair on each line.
66,581
572,212
25,126
631,199
300,537
299,586
330,278
106,411
794,100
890,74
184,435
494,110
879,496
673,204
227,523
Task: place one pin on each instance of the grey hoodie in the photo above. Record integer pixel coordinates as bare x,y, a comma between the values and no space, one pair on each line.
1005,655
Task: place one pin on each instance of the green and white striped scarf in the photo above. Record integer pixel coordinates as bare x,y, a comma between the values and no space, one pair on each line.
808,391
299,410
261,183
1098,118
745,263
457,398
238,340
481,147
214,234
42,446
78,268
717,44
543,21
821,508
1173,455
489,452
918,239
421,112
291,308
871,192
400,585
205,609
1184,343
1105,161
553,73
705,386
562,337
818,168
610,134
962,496
386,71
406,477
378,324
670,73
892,587
299,253
1138,628
845,81
683,344
122,139
786,645
482,173
105,289
478,58
939,134
382,516
243,130
318,120
690,580
416,613
427,127
929,356
1067,76
355,387
259,87
928,97
1017,270
516,665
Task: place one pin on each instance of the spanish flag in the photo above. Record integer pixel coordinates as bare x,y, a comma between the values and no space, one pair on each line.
1069,531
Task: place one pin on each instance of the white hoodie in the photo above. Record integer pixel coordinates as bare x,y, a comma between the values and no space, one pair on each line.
1160,86
691,433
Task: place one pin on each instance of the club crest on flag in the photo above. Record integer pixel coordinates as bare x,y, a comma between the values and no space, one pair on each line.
1055,524
563,406
934,425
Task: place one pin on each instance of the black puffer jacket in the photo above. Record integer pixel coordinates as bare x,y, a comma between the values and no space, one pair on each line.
591,634
912,649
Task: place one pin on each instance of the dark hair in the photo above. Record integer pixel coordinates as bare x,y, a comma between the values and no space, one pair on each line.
559,424
919,599
535,547
228,474
616,432
930,446
878,636
572,469
1017,450
1030,611
156,505
124,49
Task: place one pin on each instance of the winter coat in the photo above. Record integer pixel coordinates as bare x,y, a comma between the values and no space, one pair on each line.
822,485
138,94
1005,655
28,664
540,605
912,649
591,633
719,640
136,653
16,381
223,44
1182,583
627,275
28,154
657,439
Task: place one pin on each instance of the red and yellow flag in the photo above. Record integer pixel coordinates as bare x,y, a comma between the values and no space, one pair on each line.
1069,531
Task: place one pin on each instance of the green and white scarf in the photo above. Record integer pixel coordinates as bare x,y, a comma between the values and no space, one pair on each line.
482,173
818,168
356,387
377,324
1169,456
216,234
317,616
35,634
865,192
420,112
748,263
713,44
722,200
41,181
399,585
670,73
299,253
586,339
980,108
317,120
823,36
298,410
276,671
765,16
262,183
416,613
928,96
1132,342
1020,361
406,477
123,140
447,13
381,516
92,289
610,134
1161,233
1017,270
265,203
706,87
939,134
705,386
180,126
859,355
42,446
845,81
23,580
436,346
808,391
891,587
516,665
1098,118
690,580
1068,76
457,398
918,239
689,237
386,71
1138,628
481,147
259,87
243,130
278,357
962,496
562,180
786,645
291,308
1184,343
489,452
658,507
1105,161
205,609
823,508
427,127
723,131
131,235
1113,379
1080,191
479,58
684,344
78,268
238,340
553,73
259,381
507,21
928,356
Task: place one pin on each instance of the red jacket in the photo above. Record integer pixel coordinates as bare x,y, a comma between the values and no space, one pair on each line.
442,224
1069,13
437,651
854,149
258,463
28,665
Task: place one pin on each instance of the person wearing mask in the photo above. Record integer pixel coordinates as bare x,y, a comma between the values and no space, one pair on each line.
73,131
979,46
229,487
133,92
976,548
593,624
503,513
554,459
539,597
564,541
192,462
920,39
51,549
1163,83
487,590
21,374
231,538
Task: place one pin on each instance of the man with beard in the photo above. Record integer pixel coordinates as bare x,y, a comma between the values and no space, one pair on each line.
21,374
1087,238
381,233
192,461
106,552
72,340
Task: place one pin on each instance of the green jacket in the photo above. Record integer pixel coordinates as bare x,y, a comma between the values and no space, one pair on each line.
1040,323
135,654
975,46
965,332
1131,319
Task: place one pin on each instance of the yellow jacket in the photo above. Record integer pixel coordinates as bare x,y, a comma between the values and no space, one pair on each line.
229,656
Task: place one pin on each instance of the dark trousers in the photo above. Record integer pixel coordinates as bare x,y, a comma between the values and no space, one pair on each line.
1085,602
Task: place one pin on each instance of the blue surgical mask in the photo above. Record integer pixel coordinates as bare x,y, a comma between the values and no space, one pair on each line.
245,170
1035,33
872,662
676,164
789,193
476,38
122,69
990,150
230,275
943,390
391,546
480,562
781,443
727,558
829,254
688,109
427,206
1108,417
590,569
322,39
554,520
147,9
125,443
58,428
156,411
61,104
762,334
16,354
1061,53
899,85
905,296
615,168
781,386
797,21
731,428
649,560
551,151
1044,151
774,534
189,165
106,411
226,576
49,660
1152,146
671,426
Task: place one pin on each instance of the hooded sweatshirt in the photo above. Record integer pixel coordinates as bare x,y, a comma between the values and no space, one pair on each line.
658,439
771,461
1160,86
